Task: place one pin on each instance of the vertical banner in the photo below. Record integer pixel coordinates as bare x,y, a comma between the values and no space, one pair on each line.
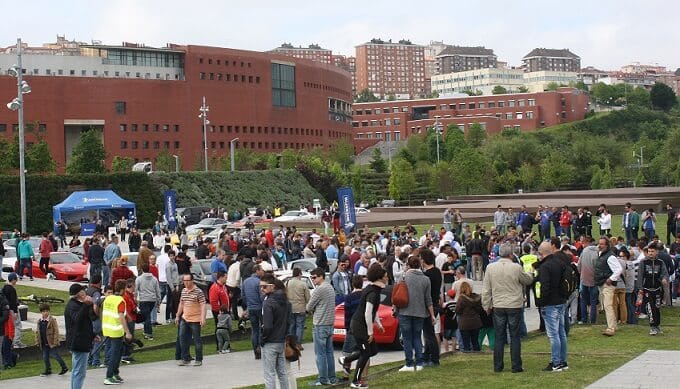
170,201
348,217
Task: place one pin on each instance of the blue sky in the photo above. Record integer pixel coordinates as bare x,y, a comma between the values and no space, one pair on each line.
606,34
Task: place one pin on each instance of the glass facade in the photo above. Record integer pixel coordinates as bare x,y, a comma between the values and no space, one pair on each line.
283,85
142,58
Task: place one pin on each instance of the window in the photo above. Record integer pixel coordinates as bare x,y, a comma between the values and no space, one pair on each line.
532,102
166,144
482,105
156,145
519,115
120,107
146,128
42,127
530,115
156,127
501,104
123,127
511,103
461,127
397,121
283,85
471,106
133,127
201,76
508,115
145,144
520,103
177,144
166,127
176,127
123,144
492,104
3,127
134,144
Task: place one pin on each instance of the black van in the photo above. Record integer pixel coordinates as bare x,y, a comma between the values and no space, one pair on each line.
192,215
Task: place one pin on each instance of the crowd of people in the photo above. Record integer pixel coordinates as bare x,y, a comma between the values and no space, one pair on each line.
464,284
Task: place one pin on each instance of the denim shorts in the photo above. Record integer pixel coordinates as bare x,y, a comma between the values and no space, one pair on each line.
449,334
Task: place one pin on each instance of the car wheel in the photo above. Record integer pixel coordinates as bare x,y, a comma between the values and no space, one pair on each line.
398,342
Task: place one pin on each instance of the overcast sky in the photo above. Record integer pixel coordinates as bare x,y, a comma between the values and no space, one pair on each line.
604,33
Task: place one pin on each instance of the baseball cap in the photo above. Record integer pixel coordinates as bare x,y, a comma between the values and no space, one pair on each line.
12,276
74,289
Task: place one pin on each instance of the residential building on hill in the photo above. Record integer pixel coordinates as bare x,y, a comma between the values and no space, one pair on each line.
460,58
556,60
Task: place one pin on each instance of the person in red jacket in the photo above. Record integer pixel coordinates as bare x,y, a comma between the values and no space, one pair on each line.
120,271
218,297
45,250
130,315
565,222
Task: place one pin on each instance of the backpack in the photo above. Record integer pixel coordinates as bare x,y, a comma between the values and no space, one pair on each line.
569,281
400,294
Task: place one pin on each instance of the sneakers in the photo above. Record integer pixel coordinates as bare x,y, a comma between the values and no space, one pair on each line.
63,371
227,351
359,384
183,363
347,368
118,378
550,367
407,368
658,330
608,332
642,316
653,331
197,363
45,373
564,366
148,337
111,381
127,360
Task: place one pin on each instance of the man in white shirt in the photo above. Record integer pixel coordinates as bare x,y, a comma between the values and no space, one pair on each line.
499,219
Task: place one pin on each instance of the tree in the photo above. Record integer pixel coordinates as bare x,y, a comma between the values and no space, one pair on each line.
639,96
39,160
526,175
391,97
433,95
402,180
366,96
88,155
5,156
552,86
604,94
443,179
499,90
476,135
378,163
581,85
453,142
556,172
164,162
121,164
343,153
522,89
470,170
662,96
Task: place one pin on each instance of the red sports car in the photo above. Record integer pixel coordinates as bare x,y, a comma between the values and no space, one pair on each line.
64,266
391,336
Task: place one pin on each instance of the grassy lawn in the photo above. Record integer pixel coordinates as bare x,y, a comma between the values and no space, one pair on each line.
591,356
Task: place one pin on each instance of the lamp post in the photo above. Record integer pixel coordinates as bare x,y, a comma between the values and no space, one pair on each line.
17,104
389,156
204,115
232,144
437,131
176,163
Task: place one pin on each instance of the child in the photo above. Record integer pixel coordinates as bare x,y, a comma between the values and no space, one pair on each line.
47,338
450,322
223,330
487,330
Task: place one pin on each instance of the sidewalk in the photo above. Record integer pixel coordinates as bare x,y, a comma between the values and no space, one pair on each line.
652,369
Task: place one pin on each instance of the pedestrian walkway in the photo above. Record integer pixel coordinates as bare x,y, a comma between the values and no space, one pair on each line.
652,369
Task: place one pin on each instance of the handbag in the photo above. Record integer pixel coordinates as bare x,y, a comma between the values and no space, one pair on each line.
292,352
400,294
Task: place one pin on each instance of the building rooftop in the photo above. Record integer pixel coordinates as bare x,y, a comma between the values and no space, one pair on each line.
464,50
555,53
288,46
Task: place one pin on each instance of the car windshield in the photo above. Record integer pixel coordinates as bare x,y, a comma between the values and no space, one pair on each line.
10,252
386,296
205,266
305,266
293,213
59,258
132,259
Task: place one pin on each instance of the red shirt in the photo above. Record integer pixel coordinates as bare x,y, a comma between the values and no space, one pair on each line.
218,296
130,306
153,269
45,248
233,246
121,273
269,235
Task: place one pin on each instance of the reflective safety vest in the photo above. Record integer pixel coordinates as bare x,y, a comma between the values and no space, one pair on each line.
111,326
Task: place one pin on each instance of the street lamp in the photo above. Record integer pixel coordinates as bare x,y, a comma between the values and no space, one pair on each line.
389,156
176,163
17,104
231,151
437,132
204,115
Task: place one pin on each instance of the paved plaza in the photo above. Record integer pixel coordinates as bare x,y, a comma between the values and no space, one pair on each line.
652,369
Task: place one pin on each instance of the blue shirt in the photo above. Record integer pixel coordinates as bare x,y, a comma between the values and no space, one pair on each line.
331,252
251,293
111,252
215,266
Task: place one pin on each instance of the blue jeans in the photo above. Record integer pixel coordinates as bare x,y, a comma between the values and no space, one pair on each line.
127,347
25,264
297,326
589,296
106,274
94,358
505,319
471,339
78,368
146,307
274,364
630,305
323,348
411,328
554,328
189,331
431,349
255,317
48,352
115,352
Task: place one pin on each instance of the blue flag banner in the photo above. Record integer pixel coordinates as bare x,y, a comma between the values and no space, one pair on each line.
170,201
348,218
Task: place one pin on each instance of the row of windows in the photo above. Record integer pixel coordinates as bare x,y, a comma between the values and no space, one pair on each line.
283,85
143,58
386,122
379,135
145,145
461,126
226,62
134,127
460,106
325,87
229,77
28,127
263,145
105,73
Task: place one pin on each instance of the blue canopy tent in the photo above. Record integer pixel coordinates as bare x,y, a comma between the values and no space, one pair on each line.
92,201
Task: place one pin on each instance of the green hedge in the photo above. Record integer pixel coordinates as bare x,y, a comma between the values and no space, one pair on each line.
218,189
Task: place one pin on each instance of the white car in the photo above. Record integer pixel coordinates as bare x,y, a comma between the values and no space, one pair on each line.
9,259
361,211
293,216
286,275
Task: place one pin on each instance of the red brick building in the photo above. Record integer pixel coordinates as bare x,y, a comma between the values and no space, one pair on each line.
387,68
397,120
313,52
270,102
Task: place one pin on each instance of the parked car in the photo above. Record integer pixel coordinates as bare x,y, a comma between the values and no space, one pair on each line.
309,264
294,216
286,275
361,211
253,219
9,260
192,215
64,266
132,261
202,275
193,235
391,336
